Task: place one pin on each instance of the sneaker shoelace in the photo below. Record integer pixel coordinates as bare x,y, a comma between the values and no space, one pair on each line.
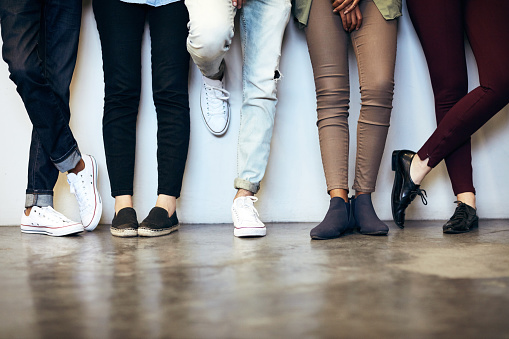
248,205
79,188
52,215
218,96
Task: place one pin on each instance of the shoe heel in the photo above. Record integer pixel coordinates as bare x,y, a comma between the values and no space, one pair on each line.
395,156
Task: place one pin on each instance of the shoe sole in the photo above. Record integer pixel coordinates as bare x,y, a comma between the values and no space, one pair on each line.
375,233
98,207
149,232
53,231
475,224
250,232
396,187
124,233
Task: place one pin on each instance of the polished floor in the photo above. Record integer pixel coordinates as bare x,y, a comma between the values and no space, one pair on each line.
201,282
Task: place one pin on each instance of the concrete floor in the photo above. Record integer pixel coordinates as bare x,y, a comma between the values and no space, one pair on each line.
201,282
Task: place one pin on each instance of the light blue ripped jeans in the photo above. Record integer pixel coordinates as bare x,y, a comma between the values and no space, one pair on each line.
262,25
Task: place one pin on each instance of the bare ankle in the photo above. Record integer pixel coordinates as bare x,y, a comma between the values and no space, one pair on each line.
243,193
169,203
467,198
419,169
27,211
339,192
79,167
123,201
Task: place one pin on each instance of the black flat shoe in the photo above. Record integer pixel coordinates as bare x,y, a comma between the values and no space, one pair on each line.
404,190
338,221
125,223
463,220
158,223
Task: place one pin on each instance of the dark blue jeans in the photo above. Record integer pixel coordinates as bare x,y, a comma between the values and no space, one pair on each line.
40,44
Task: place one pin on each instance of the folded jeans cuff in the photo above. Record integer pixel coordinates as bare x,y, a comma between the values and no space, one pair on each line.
41,200
246,185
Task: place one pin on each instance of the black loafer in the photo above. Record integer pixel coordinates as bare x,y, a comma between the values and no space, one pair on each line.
463,220
125,223
158,223
404,190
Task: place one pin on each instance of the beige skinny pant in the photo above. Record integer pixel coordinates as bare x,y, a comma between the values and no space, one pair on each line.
374,45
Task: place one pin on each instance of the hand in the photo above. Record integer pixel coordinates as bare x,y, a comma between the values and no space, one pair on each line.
237,3
338,5
352,20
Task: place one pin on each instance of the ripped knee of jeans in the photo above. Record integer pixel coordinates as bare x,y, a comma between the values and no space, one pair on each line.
277,75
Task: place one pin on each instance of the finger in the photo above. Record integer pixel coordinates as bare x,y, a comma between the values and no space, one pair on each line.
340,4
359,19
354,22
349,22
343,21
352,6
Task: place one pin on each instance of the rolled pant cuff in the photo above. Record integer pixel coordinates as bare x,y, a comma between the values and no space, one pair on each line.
70,161
365,190
246,185
41,200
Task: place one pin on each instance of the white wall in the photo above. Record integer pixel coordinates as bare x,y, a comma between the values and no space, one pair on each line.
294,186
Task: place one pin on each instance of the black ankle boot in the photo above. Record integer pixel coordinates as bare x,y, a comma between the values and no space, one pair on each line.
337,221
365,216
463,220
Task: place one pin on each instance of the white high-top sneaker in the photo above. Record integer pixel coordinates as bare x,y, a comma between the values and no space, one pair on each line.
245,218
45,220
84,187
215,108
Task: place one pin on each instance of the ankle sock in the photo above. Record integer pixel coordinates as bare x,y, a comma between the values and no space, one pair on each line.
365,216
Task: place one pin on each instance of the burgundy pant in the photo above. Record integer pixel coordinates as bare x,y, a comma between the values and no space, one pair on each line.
441,26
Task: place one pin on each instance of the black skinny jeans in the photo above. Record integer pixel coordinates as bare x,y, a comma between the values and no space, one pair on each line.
121,27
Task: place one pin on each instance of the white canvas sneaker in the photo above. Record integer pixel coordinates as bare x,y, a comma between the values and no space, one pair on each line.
215,108
45,220
245,218
84,187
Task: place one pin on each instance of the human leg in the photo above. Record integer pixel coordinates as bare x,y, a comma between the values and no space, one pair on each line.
30,36
170,67
487,39
375,48
438,32
211,29
329,58
120,28
262,27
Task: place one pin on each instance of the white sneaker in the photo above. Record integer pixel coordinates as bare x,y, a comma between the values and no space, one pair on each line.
45,220
245,218
84,187
215,108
